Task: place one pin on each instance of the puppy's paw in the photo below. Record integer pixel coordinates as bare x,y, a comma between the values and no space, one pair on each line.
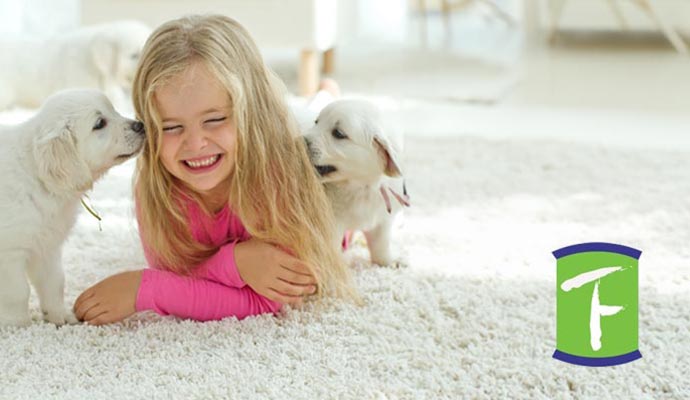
396,263
381,261
71,319
60,317
390,260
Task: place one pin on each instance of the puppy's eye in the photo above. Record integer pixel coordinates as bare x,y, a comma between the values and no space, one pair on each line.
338,134
100,124
316,122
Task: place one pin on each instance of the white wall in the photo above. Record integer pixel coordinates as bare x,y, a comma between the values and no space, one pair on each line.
367,21
377,20
37,17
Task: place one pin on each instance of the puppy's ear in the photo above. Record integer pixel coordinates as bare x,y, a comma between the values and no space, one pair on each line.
104,58
60,167
389,156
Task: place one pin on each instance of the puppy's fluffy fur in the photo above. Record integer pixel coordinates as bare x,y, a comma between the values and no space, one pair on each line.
47,163
359,163
100,56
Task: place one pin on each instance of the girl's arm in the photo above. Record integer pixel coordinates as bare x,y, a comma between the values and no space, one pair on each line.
268,270
220,267
263,274
167,293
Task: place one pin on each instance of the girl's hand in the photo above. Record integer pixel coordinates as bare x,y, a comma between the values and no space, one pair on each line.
273,273
110,300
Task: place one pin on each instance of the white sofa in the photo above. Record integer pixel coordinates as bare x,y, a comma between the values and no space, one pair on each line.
306,25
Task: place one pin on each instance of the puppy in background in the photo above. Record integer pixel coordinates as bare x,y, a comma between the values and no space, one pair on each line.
46,165
102,57
358,160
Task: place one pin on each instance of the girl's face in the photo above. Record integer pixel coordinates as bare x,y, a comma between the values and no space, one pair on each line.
199,131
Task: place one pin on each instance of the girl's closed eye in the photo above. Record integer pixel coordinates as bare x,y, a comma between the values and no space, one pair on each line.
216,120
172,129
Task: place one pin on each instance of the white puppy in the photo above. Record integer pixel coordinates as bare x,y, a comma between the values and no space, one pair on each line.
47,163
100,56
359,164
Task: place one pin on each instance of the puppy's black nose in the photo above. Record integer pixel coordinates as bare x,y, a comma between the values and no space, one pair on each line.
138,127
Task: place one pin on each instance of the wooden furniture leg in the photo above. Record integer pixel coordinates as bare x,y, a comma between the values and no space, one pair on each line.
650,7
328,61
308,72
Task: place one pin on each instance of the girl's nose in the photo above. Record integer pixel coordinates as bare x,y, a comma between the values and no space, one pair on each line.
196,139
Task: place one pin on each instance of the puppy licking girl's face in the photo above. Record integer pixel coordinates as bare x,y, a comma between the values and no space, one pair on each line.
347,143
80,137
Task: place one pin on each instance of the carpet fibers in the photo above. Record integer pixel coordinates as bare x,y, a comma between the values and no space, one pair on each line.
472,315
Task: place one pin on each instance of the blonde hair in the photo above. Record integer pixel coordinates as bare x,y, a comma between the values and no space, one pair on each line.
274,189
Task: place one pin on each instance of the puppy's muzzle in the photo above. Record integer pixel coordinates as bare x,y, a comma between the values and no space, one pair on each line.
313,152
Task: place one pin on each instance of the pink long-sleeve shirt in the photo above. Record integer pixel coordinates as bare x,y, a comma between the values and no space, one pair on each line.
215,289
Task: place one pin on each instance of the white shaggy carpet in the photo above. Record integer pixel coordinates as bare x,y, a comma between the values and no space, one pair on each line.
472,316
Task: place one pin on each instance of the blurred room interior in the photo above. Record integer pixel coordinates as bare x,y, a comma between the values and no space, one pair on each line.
608,71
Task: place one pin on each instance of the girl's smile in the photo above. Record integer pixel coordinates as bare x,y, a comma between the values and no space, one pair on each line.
202,164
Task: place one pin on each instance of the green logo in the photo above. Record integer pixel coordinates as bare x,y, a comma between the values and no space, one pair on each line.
596,304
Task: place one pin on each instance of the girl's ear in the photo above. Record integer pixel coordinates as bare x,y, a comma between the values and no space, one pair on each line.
389,156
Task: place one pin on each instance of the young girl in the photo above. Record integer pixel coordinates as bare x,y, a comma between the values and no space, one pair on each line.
232,217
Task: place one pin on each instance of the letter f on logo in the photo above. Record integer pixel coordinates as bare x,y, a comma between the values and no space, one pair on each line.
597,310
